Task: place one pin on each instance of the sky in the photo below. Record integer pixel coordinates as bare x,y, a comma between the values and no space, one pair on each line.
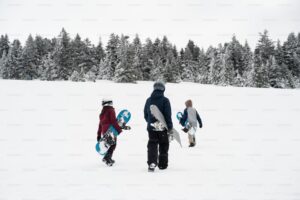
207,22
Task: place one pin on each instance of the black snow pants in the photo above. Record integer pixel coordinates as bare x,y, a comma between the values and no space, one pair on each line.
158,147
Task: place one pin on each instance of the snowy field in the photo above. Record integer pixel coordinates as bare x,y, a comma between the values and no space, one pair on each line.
248,149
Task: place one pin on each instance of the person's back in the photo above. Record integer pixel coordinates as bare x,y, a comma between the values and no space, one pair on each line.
158,139
163,104
192,116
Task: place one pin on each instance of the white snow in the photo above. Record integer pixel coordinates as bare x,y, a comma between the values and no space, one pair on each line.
248,148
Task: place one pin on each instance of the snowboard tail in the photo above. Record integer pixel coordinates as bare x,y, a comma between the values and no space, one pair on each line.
161,119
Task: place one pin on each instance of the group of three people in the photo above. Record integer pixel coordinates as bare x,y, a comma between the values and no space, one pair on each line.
158,143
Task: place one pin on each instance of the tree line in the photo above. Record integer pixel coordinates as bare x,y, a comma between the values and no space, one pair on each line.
270,64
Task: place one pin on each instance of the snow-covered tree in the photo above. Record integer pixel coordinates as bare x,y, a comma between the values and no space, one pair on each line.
216,67
48,70
4,45
91,75
259,73
11,62
99,52
62,55
30,60
203,69
266,47
124,71
112,58
227,72
290,55
77,76
279,75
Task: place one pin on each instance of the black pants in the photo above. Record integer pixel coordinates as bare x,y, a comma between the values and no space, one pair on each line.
158,144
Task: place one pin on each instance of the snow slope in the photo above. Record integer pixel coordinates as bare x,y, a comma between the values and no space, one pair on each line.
248,149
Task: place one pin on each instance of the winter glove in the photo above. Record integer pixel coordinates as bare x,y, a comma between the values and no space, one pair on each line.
171,135
126,127
98,138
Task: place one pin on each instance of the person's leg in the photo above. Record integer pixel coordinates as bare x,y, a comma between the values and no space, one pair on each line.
110,151
163,150
152,147
191,139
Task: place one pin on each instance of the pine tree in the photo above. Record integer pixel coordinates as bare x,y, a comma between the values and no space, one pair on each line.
99,52
137,60
279,75
247,57
188,66
4,45
147,59
112,58
91,75
124,71
62,55
266,47
77,76
203,70
30,60
194,50
82,55
259,74
171,72
11,64
49,70
289,49
227,72
216,67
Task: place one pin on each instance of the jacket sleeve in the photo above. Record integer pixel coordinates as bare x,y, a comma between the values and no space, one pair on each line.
99,128
145,111
168,114
184,117
199,120
114,121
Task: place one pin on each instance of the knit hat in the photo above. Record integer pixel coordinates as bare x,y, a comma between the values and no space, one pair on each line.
159,85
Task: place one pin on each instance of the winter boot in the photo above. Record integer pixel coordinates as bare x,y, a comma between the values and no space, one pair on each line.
151,167
185,130
192,145
108,161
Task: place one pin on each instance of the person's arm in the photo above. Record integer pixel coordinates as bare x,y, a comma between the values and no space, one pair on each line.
145,111
99,131
199,120
184,117
114,121
168,114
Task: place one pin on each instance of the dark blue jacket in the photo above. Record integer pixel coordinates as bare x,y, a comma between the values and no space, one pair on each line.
185,117
157,98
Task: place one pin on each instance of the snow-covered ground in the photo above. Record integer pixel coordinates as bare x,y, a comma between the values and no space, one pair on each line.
248,149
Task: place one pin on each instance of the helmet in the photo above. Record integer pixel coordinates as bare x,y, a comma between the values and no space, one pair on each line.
107,102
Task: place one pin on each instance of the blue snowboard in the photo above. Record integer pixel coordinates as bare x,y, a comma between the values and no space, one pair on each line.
108,138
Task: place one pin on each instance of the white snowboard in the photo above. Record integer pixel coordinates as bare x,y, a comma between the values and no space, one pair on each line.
159,116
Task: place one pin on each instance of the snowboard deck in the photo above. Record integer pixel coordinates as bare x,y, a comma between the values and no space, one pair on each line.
191,130
108,138
159,116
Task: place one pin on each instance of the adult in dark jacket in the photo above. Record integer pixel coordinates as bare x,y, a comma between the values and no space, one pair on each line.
158,143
